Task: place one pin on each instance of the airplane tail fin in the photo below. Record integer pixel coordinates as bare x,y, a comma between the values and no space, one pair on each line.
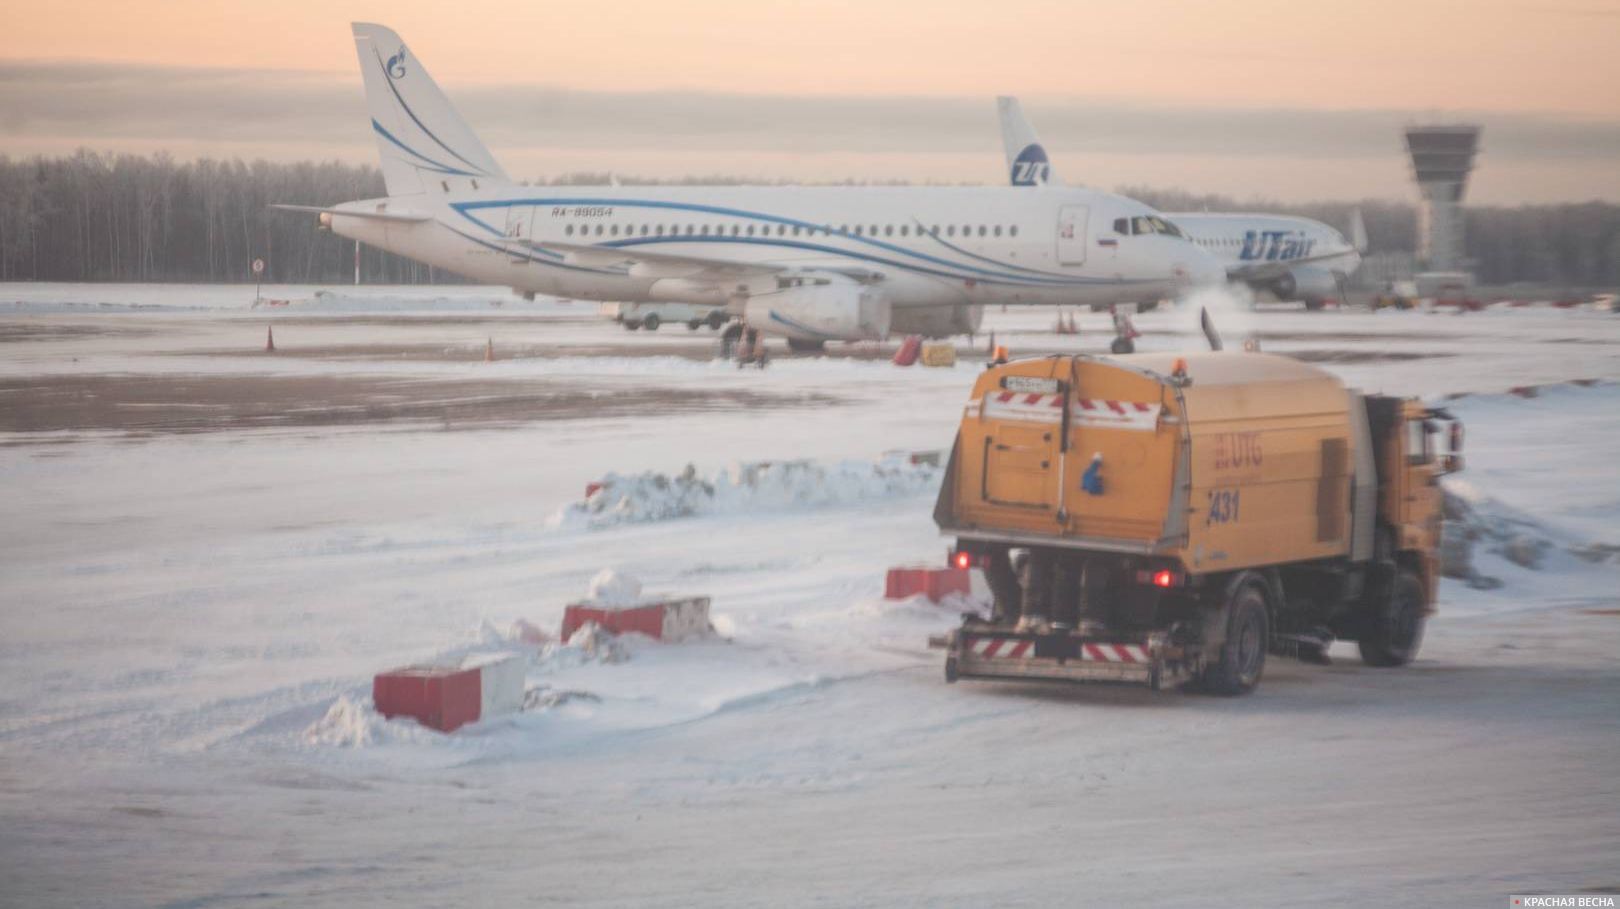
1027,164
1358,231
425,145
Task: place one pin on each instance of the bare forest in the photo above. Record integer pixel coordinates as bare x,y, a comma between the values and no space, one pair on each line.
124,217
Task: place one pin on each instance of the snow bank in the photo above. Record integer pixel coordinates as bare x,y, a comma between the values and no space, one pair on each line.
36,298
466,301
612,588
1475,519
354,723
749,487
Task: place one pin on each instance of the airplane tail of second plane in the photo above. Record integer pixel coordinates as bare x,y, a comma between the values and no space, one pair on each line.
425,145
1027,164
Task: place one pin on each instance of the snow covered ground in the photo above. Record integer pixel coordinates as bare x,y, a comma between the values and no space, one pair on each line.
190,615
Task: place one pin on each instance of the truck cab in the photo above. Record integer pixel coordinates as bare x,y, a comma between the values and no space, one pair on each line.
1410,463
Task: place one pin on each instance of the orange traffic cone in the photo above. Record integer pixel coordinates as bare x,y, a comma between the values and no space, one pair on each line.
269,339
489,351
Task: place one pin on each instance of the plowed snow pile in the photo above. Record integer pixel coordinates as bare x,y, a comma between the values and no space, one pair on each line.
748,487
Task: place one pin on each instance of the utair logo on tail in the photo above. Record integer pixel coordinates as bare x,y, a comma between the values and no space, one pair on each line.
1031,168
396,64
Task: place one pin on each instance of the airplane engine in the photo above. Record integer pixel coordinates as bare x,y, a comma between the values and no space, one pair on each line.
937,321
1313,285
819,310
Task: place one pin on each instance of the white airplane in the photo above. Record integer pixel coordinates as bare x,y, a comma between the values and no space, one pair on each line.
1288,257
812,264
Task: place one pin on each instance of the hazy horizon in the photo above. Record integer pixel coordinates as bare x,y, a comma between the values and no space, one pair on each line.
1263,100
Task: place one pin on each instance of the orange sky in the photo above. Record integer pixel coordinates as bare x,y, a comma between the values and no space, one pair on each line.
1533,55
1221,82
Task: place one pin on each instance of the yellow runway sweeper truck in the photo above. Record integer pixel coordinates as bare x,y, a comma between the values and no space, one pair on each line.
1169,519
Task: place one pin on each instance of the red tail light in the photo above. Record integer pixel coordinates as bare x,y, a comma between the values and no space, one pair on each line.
1163,577
964,560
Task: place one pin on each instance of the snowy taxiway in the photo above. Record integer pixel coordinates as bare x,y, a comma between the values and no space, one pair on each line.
207,551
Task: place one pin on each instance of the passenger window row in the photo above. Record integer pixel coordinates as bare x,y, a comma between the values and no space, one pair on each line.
784,230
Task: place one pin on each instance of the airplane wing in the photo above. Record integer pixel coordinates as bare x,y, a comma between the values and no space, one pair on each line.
643,263
351,213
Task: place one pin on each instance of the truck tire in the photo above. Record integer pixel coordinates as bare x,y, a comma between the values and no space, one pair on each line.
1394,628
716,319
632,326
694,325
1122,346
1242,659
651,321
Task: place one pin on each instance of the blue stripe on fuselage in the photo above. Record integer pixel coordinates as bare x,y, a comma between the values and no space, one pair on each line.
998,277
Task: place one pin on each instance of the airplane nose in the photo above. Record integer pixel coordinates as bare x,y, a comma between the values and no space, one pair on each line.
1200,269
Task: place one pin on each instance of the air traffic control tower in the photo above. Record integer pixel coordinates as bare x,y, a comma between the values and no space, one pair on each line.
1442,157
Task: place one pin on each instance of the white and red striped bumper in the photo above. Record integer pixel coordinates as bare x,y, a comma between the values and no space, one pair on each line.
1062,657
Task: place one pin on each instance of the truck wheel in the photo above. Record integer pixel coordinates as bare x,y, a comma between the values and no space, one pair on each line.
1243,656
651,321
631,326
1394,630
717,319
1122,346
694,325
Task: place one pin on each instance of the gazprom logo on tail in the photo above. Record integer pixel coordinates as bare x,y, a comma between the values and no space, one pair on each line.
396,64
1031,168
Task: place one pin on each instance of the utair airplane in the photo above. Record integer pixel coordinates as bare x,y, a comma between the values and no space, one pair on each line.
1290,258
812,264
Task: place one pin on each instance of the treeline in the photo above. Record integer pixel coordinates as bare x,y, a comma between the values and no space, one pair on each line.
95,217
122,217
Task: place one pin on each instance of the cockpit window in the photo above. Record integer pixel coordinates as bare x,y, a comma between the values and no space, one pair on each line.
1151,224
1122,226
1165,227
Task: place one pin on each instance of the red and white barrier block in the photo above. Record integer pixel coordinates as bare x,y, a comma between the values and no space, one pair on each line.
934,583
447,697
931,457
663,619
